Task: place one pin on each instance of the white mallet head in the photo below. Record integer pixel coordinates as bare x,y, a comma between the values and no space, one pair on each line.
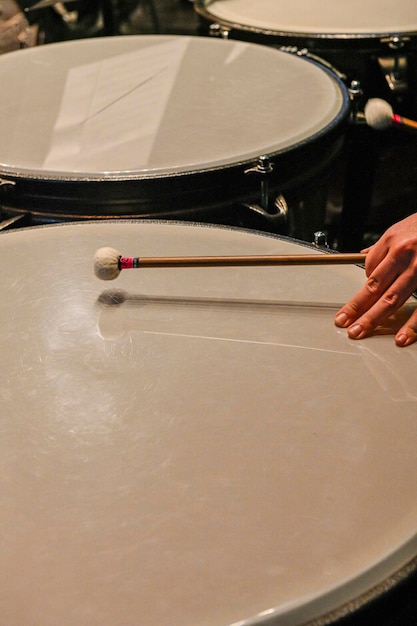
106,263
378,114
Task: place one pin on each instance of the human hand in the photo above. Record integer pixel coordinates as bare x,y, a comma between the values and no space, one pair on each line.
391,268
15,31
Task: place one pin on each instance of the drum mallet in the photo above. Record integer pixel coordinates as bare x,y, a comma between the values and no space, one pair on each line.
108,262
379,115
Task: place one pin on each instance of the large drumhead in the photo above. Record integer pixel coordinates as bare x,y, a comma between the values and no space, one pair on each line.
346,18
194,446
140,122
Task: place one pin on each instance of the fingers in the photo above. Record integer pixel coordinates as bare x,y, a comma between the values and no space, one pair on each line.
386,273
408,333
375,302
364,325
391,268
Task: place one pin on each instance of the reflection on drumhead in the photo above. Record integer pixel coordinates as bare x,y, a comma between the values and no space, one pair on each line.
199,445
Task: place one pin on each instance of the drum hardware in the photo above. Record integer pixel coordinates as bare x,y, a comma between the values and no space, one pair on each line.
217,30
396,42
8,222
264,168
4,182
394,70
276,210
15,221
355,96
320,240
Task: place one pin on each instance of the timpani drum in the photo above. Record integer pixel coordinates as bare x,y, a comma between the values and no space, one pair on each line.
372,41
163,126
196,446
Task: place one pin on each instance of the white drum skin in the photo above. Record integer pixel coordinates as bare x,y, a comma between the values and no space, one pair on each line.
194,446
151,125
347,19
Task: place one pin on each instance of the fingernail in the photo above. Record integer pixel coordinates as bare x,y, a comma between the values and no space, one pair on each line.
356,331
401,340
341,319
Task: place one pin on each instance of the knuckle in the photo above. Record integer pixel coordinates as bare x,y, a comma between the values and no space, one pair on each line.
391,299
372,285
353,309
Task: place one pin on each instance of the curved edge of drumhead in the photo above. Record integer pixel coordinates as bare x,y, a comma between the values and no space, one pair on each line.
165,222
359,604
364,604
372,587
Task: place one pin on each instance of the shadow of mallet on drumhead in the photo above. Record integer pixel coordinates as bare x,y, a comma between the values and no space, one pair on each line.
222,318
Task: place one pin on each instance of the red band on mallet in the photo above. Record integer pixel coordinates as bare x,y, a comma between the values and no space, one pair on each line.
125,263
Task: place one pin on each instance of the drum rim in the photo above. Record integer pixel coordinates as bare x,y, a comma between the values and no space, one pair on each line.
363,600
